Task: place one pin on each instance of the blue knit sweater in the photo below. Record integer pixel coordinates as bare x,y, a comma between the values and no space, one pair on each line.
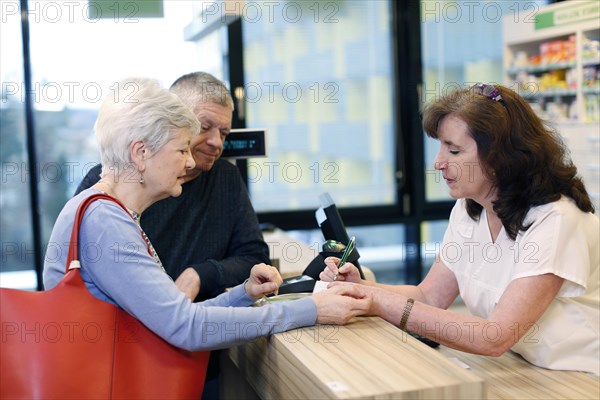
211,227
116,267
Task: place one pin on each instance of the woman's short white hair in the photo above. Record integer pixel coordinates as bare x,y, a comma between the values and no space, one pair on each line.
138,109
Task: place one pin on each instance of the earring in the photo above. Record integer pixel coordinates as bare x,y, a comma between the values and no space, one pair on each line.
141,181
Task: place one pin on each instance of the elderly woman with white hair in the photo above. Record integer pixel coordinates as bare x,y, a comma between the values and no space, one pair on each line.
144,133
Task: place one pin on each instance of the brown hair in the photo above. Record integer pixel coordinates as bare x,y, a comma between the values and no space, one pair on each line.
524,158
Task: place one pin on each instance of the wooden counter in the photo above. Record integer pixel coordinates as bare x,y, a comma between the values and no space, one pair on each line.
511,377
370,358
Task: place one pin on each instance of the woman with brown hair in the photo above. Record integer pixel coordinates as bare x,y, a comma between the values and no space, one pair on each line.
522,246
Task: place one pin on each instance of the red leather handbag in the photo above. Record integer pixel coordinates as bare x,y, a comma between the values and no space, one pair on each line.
66,344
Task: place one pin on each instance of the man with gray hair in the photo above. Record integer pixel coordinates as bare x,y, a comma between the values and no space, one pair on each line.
209,237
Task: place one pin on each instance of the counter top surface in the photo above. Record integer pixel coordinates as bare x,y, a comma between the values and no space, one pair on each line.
511,377
370,358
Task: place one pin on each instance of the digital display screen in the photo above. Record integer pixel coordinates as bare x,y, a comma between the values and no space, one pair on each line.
244,143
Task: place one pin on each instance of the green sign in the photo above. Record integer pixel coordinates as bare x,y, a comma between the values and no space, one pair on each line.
576,13
125,10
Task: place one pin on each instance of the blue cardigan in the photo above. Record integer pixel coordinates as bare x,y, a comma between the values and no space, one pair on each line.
211,227
116,267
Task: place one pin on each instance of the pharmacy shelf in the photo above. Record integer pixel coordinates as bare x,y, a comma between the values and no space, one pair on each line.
553,59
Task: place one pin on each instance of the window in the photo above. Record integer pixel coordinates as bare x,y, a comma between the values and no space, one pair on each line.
78,51
17,259
319,77
461,45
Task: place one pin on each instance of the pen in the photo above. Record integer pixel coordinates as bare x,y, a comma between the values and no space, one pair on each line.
346,254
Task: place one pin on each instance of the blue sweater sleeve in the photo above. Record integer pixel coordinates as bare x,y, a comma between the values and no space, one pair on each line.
118,269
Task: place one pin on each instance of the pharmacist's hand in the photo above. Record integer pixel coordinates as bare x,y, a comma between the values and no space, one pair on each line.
382,300
347,272
264,279
337,305
189,283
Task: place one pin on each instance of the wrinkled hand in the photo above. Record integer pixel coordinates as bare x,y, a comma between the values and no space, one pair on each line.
347,272
337,305
264,279
189,283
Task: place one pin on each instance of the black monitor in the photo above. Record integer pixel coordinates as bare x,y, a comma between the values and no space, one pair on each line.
245,143
333,228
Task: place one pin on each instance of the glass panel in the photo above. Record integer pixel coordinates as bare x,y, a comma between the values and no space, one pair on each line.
383,249
432,233
71,79
319,77
461,45
16,253
78,52
214,48
210,40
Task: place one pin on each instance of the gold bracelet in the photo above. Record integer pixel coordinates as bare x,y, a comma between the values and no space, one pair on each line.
407,308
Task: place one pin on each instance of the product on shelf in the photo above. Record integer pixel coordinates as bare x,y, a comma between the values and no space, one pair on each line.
590,50
556,65
558,51
592,107
557,111
590,76
553,80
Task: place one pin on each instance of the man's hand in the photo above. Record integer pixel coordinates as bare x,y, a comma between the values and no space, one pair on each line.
189,283
263,280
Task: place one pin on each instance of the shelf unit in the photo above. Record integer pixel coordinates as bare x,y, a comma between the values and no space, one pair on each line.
557,68
552,58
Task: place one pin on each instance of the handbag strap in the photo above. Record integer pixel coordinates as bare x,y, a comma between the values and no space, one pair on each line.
73,254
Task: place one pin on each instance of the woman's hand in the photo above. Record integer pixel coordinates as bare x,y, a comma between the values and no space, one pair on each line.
337,305
264,279
347,272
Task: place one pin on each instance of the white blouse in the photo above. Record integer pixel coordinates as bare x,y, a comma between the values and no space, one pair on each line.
562,240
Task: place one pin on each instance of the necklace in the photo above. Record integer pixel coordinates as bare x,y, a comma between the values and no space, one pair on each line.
137,218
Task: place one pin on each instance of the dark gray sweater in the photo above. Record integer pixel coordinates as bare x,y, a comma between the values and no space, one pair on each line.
211,227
